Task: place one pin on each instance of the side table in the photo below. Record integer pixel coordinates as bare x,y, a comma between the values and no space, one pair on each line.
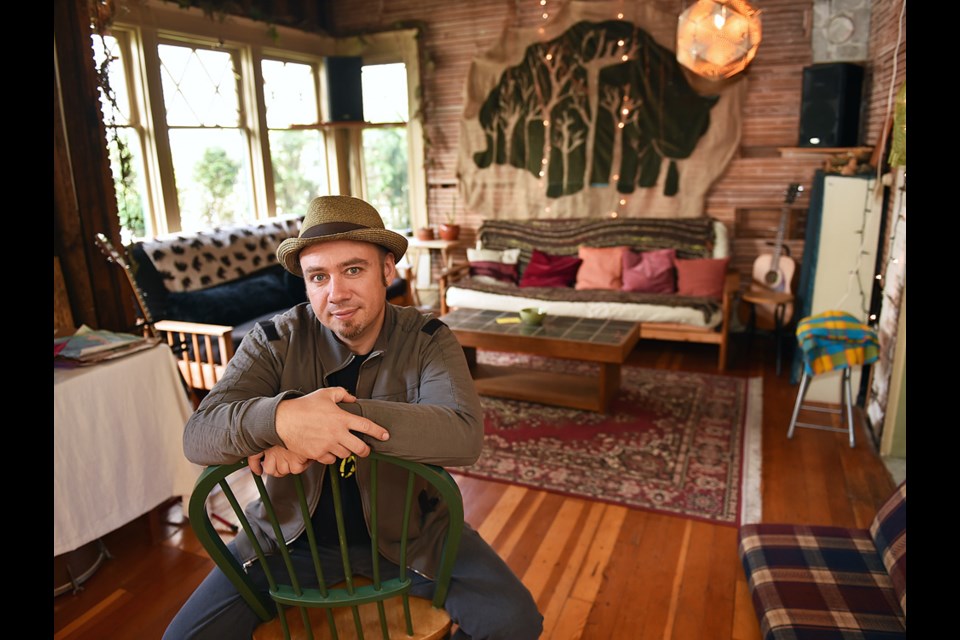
416,248
779,299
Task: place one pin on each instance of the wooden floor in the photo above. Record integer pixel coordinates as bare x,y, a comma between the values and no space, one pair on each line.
596,570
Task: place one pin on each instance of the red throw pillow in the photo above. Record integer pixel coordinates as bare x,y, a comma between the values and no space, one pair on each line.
701,277
601,267
649,271
545,270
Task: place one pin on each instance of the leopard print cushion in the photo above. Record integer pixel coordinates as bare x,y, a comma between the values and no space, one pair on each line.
195,261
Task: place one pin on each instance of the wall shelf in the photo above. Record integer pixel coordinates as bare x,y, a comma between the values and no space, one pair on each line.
786,152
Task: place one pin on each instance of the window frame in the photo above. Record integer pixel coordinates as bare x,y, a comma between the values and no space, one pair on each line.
146,25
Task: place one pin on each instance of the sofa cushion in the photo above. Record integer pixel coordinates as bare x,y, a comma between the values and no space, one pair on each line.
889,532
493,266
701,276
235,302
547,270
819,582
193,261
650,271
601,267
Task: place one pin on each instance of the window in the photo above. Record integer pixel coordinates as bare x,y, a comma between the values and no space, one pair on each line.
297,153
124,135
211,123
208,145
384,148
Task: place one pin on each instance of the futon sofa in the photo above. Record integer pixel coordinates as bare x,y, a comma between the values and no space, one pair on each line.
670,275
815,582
206,290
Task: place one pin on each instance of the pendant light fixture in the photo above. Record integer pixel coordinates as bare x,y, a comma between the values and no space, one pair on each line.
717,39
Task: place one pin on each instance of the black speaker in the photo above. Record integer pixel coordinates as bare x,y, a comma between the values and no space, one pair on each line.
344,89
830,106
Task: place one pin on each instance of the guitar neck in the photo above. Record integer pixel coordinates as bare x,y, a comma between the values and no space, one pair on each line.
107,248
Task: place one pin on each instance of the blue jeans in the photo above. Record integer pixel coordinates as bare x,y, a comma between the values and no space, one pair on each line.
486,599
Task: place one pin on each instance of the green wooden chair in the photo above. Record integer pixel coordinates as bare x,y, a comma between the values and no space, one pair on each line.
358,607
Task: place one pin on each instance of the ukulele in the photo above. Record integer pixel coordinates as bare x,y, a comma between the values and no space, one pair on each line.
775,271
106,247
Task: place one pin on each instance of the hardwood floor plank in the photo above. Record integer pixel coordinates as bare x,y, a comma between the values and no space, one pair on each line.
550,551
502,512
560,600
91,614
598,556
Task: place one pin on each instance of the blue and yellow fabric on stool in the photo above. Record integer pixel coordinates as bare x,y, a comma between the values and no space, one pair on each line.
830,341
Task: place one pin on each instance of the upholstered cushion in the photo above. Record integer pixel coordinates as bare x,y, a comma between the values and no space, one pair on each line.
701,276
545,270
889,532
492,266
235,302
819,583
650,271
193,261
601,267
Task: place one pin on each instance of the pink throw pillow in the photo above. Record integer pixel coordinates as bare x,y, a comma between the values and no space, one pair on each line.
649,271
701,277
601,267
545,270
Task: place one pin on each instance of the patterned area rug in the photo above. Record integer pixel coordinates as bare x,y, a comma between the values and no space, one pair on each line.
686,444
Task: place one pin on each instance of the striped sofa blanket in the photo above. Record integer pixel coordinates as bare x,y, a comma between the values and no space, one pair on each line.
835,340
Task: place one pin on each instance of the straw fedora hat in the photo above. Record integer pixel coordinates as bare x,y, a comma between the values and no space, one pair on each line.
332,218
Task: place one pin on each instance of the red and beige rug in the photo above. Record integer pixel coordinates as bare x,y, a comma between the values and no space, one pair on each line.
686,444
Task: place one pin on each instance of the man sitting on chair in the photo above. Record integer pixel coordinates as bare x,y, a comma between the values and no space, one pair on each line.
329,380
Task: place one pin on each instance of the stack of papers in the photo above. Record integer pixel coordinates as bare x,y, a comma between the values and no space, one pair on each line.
89,346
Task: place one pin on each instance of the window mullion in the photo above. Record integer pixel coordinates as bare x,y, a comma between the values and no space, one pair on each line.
254,118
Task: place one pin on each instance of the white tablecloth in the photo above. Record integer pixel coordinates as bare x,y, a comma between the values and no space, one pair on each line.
117,444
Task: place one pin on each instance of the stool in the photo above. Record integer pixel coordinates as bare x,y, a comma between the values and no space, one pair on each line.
830,341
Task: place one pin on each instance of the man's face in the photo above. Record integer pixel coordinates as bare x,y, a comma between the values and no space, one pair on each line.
346,284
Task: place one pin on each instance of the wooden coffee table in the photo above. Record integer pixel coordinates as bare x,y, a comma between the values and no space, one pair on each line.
607,342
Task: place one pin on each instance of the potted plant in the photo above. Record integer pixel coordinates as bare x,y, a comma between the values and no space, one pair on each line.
450,230
425,233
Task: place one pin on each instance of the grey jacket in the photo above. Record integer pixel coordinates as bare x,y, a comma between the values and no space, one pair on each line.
415,384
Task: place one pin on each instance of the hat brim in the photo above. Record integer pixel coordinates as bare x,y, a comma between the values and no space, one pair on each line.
288,253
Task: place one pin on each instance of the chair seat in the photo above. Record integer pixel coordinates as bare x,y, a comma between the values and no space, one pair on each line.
820,583
429,623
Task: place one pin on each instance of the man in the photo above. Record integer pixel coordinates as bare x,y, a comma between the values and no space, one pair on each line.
331,379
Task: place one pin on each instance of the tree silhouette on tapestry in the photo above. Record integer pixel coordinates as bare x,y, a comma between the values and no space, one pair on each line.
601,103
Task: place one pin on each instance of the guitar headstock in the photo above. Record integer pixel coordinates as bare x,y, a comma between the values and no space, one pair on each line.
790,195
106,248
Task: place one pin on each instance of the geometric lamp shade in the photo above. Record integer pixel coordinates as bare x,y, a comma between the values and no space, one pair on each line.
717,39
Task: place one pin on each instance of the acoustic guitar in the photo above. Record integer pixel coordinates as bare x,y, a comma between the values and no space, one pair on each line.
775,271
107,249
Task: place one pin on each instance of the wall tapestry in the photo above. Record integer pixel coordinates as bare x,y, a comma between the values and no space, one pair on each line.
592,116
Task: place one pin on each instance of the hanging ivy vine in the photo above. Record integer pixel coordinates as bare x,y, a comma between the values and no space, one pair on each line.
129,207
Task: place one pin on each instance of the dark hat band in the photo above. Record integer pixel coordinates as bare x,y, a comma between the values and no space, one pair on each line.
330,228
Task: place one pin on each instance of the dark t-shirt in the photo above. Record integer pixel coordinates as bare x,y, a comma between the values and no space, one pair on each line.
324,518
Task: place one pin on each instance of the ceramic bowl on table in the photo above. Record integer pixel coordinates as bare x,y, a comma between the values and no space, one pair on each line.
532,316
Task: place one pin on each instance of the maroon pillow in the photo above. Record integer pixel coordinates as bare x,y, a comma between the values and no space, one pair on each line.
649,271
545,270
701,277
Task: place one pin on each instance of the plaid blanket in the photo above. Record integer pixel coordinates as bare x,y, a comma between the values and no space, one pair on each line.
834,340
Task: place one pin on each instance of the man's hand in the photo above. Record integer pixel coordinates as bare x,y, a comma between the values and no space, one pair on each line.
313,426
277,461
